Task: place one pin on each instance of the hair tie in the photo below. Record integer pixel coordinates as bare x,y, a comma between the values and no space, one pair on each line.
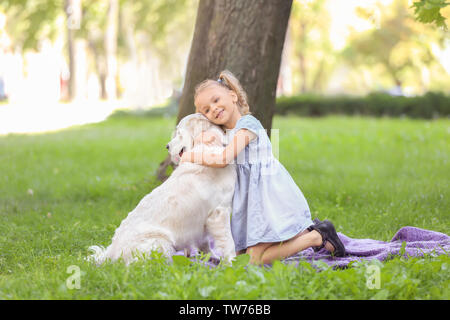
220,80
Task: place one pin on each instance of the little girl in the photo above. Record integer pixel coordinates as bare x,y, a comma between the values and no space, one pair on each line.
271,218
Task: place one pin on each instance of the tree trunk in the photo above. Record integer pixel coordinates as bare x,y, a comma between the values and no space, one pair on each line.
317,82
72,9
245,37
99,64
111,48
303,88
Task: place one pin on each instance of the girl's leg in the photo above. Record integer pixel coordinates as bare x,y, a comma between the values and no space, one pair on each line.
257,251
300,242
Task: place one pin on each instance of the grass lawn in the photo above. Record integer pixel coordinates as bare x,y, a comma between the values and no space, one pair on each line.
64,191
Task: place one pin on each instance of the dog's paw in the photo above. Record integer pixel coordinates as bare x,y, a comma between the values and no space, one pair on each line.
229,258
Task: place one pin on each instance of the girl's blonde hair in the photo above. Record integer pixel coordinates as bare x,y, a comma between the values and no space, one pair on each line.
226,80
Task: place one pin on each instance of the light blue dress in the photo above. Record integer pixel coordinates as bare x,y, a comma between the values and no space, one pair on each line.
268,206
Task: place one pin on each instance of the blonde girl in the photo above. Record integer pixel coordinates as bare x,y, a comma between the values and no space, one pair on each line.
271,218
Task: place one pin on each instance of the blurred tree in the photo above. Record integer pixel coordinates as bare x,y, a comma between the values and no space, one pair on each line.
157,27
92,29
397,43
144,28
72,8
28,21
232,35
162,28
309,28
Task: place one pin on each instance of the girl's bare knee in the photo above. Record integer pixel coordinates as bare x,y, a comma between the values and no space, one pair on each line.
256,252
266,260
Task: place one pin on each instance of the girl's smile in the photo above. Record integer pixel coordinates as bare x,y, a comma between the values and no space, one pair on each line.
219,106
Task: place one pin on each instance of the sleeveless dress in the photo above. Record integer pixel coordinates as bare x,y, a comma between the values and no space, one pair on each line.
268,206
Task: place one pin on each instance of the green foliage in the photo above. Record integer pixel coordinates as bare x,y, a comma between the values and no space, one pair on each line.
28,21
241,260
386,49
64,191
429,11
430,105
181,261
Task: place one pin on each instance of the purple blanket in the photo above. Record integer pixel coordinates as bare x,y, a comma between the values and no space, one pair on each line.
410,241
417,243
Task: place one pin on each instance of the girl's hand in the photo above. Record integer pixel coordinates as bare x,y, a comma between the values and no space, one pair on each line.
206,138
185,157
209,138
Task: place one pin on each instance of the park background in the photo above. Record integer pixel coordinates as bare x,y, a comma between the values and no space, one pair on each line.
90,92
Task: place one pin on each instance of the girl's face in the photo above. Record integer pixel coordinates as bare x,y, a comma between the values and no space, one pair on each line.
217,104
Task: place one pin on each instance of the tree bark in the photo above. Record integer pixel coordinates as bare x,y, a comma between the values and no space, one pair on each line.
245,37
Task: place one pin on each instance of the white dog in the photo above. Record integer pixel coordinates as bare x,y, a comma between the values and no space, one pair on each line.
194,202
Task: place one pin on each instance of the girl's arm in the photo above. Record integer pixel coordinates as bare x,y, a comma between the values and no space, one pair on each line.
220,160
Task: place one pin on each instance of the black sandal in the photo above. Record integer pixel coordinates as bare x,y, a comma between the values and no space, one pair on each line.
316,249
328,232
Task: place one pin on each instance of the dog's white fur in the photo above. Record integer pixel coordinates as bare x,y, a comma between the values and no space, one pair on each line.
192,204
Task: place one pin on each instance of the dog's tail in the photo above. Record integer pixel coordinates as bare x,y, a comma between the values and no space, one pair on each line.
154,239
98,256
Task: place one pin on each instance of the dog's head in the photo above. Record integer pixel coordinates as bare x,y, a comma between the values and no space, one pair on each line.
187,130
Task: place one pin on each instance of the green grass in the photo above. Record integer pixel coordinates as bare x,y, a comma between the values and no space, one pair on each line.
64,191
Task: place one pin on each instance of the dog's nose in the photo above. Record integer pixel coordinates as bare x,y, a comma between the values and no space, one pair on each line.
167,147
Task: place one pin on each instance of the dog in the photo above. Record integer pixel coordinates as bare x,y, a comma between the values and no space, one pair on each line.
193,204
